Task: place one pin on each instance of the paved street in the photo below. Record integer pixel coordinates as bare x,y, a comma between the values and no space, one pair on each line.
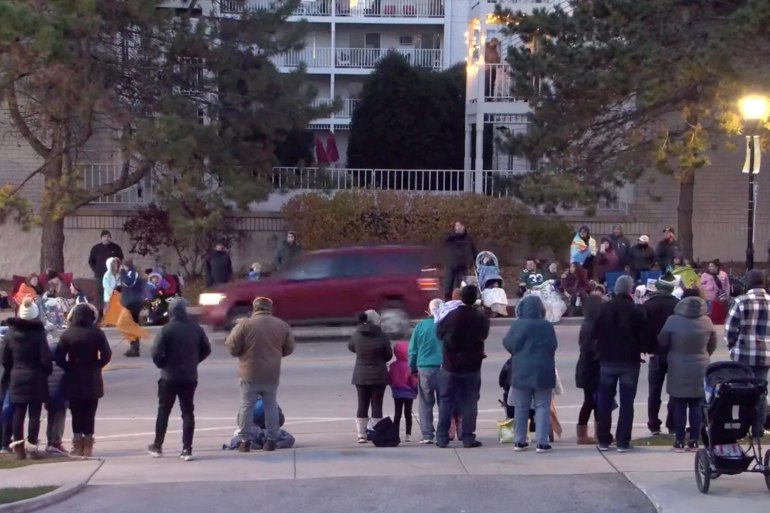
329,472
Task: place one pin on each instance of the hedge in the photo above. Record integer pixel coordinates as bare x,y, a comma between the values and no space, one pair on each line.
375,217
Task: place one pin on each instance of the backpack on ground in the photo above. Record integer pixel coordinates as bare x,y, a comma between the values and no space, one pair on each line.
385,434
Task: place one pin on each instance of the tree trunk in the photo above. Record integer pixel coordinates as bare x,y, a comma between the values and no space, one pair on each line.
52,244
684,215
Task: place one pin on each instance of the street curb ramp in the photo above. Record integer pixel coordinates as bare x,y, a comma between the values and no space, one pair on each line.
61,494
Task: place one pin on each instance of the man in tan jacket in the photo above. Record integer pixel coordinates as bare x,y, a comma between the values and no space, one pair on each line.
260,343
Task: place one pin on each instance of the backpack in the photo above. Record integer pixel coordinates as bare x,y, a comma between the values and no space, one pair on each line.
384,434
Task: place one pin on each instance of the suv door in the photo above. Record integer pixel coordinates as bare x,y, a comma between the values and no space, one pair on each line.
306,289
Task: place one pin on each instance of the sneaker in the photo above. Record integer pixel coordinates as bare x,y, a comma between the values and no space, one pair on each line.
678,447
155,451
625,448
519,447
244,446
408,438
692,445
269,446
56,449
5,450
186,455
543,448
473,445
603,447
426,441
655,432
361,440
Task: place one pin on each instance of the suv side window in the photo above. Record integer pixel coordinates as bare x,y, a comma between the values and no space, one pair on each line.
311,268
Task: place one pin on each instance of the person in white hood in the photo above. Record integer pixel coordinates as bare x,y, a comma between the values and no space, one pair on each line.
111,278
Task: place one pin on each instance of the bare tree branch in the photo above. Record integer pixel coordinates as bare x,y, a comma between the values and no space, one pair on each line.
21,125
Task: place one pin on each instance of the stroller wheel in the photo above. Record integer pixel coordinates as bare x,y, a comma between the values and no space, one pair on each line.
702,470
767,469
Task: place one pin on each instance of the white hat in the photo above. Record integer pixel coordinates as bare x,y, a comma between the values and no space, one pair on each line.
434,305
645,239
28,310
373,317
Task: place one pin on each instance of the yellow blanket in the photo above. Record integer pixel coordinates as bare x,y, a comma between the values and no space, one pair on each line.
116,315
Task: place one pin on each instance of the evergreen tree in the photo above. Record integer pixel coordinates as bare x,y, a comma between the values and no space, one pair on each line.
618,87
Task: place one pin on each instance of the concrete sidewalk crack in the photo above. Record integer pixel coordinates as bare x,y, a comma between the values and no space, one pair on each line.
461,462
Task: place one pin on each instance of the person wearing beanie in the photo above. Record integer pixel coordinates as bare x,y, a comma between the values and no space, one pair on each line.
463,332
620,341
179,348
641,257
657,309
218,267
425,354
97,261
27,363
260,343
747,335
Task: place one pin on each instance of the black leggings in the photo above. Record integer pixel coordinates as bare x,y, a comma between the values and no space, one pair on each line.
83,416
370,394
589,406
33,428
403,406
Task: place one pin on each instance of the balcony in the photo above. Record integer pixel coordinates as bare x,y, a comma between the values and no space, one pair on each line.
357,58
496,87
346,111
387,9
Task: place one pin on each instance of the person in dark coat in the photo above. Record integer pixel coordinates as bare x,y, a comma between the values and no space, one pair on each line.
460,256
666,250
83,352
587,368
27,363
288,251
97,261
657,309
132,298
620,342
608,260
621,245
641,257
178,350
219,267
688,340
531,340
370,374
463,333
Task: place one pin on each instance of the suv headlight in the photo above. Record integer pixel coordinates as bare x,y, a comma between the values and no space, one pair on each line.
210,299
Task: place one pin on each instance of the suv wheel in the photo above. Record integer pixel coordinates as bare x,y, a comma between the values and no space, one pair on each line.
394,320
237,313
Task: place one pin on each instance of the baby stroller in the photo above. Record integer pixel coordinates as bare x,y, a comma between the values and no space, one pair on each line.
490,283
732,396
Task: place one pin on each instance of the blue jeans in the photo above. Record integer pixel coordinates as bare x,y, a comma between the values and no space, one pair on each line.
458,392
523,399
681,407
427,388
610,376
250,392
759,424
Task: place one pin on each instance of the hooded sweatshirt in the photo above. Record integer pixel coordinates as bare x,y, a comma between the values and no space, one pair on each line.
689,339
424,346
110,281
402,382
180,346
531,340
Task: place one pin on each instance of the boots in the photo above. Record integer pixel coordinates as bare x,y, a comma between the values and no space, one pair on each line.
583,438
133,350
77,446
88,446
361,425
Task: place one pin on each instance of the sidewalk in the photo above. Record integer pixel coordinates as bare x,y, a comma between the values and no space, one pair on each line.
666,478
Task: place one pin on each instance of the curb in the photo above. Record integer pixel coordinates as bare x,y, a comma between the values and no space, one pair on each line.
61,494
647,493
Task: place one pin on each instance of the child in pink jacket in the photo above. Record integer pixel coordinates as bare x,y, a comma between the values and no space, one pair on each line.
404,387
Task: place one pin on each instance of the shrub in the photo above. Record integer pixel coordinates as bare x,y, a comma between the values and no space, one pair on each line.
375,217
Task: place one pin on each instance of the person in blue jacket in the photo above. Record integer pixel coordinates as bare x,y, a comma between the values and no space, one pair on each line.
132,298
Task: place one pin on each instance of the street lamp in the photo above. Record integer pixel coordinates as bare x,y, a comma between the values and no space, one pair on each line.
754,110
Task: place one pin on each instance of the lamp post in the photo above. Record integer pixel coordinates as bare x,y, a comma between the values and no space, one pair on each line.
754,110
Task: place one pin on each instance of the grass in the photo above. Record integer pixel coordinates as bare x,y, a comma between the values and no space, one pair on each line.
9,495
9,461
666,440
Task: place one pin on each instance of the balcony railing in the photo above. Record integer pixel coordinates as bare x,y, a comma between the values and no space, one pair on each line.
96,175
361,9
360,58
497,84
312,57
346,111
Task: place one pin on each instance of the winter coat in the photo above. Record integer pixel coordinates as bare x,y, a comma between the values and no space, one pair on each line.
179,347
710,287
656,311
665,254
425,350
641,257
100,253
587,368
531,340
401,380
607,262
575,284
110,282
57,398
286,255
620,332
580,250
83,352
373,352
463,332
622,248
461,250
218,268
689,339
132,288
260,343
27,361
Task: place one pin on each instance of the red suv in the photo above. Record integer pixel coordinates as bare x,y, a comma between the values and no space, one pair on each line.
331,286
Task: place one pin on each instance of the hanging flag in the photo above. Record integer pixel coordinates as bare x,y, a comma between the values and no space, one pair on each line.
321,157
331,149
757,154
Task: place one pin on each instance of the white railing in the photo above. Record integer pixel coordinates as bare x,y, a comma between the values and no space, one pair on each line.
345,111
305,8
96,175
368,58
312,57
361,9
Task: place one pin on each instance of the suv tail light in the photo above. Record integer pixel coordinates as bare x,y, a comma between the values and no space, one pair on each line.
428,284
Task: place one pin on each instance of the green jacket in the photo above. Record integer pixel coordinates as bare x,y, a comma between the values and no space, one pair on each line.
425,349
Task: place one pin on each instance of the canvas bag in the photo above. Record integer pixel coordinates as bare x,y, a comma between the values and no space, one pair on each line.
385,434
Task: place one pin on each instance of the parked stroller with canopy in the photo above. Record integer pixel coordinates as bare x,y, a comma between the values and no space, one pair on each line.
490,283
732,398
